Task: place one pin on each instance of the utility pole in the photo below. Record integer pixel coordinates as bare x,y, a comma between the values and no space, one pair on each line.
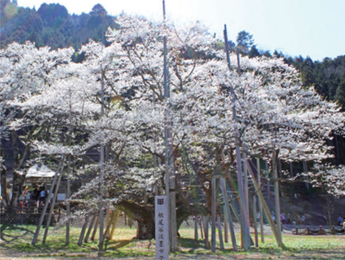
245,224
68,190
101,166
170,189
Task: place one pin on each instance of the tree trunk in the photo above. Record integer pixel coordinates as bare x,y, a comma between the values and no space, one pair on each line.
144,215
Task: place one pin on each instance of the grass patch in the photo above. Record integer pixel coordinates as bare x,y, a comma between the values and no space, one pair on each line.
16,241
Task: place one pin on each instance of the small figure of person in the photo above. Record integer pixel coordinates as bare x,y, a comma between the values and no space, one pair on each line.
42,197
36,196
340,221
273,217
288,219
258,217
283,218
303,220
21,205
26,205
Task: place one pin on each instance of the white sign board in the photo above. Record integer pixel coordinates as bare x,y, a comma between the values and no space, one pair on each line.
162,227
61,196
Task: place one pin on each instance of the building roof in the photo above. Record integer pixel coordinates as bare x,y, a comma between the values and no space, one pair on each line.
38,171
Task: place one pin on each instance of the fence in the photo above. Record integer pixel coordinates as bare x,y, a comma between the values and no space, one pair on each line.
319,231
26,215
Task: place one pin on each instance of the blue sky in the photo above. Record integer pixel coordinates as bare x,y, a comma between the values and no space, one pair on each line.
295,27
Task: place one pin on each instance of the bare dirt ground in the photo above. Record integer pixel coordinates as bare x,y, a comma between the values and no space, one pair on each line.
333,254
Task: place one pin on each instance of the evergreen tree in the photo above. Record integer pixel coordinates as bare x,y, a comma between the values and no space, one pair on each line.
244,41
340,94
254,52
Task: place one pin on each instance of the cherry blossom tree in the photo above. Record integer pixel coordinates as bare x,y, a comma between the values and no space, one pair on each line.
63,100
26,71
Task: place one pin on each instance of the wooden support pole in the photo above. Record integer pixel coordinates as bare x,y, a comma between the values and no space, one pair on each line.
227,46
276,193
268,195
227,207
265,208
245,185
170,189
244,223
207,244
255,222
196,227
82,233
220,233
246,195
68,208
95,228
116,219
258,168
201,227
68,188
108,216
213,219
226,234
172,212
34,240
110,221
52,205
101,227
86,240
238,61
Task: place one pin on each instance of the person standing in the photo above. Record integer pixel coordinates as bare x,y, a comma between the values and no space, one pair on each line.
36,196
288,219
340,221
303,220
258,217
21,205
42,196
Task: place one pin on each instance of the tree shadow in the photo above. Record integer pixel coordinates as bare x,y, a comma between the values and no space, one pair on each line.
194,245
13,237
115,245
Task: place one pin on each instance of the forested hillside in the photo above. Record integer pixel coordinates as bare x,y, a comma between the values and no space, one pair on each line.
327,76
51,25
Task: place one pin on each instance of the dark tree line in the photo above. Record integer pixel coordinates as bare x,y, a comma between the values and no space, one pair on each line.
52,25
327,76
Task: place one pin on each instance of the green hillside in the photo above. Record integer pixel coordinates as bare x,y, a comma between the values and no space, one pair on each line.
52,25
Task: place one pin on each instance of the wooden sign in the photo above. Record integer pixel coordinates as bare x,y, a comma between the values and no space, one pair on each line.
162,227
